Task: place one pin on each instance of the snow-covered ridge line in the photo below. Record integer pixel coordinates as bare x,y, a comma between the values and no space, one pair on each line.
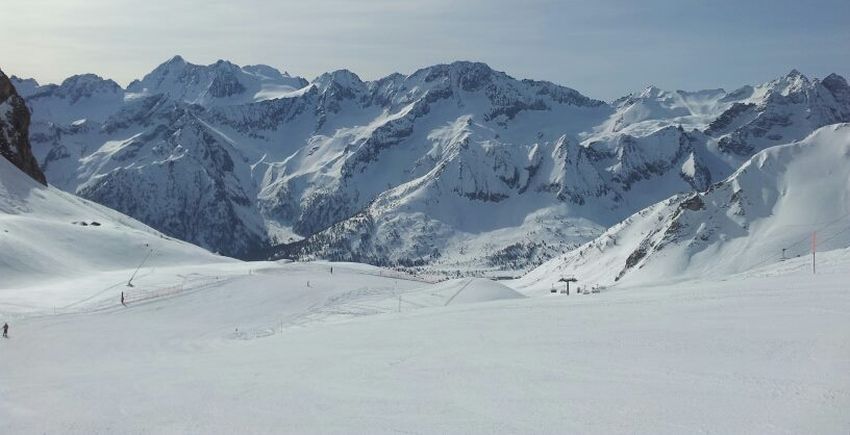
455,168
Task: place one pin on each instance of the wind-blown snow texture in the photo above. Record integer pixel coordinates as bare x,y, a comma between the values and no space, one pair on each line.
455,167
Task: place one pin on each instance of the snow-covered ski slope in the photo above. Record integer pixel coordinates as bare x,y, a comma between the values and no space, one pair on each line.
259,351
775,201
53,243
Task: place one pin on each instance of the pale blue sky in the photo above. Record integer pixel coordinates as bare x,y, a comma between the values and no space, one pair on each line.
604,49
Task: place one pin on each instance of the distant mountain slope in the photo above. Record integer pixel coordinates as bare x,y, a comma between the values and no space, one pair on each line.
773,202
532,201
455,167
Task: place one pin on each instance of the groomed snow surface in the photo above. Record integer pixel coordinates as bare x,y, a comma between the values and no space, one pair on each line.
363,350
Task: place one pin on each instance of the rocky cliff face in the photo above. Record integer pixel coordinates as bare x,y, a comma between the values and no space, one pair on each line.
14,131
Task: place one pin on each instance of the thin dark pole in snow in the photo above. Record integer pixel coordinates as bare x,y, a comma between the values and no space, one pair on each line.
130,282
814,248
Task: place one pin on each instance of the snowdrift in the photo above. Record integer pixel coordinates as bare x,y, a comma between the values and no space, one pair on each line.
763,213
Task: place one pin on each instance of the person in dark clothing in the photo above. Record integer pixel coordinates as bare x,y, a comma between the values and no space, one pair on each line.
5,330
122,299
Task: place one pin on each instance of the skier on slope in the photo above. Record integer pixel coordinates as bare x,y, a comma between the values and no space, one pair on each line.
5,330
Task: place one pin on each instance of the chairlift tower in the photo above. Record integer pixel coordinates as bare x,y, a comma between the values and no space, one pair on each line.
567,282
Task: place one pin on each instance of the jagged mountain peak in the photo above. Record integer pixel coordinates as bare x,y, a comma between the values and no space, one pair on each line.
465,75
791,83
174,65
795,73
341,78
834,77
221,63
458,67
388,86
222,82
393,77
176,60
178,63
837,85
25,87
88,83
15,79
507,94
651,91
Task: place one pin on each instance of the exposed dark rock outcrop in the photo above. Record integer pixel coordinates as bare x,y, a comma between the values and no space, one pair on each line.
14,131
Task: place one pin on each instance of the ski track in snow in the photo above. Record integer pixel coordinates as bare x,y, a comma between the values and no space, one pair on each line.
767,352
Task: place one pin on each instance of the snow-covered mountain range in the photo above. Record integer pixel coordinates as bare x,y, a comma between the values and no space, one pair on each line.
766,212
453,167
